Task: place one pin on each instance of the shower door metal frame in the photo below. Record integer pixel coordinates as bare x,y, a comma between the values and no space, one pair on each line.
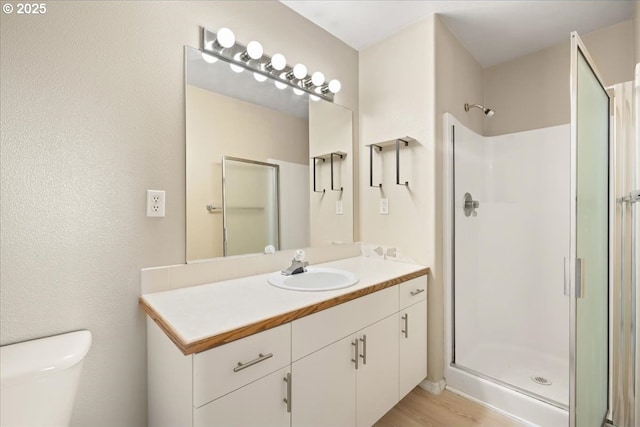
575,289
224,200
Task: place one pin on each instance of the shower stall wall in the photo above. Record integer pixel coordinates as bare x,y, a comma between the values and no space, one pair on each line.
507,320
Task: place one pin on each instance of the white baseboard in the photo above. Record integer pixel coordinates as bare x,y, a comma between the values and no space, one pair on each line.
433,387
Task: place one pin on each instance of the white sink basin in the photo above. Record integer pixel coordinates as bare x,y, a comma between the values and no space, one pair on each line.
314,279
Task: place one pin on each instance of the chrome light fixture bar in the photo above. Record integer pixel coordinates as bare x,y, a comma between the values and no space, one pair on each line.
223,45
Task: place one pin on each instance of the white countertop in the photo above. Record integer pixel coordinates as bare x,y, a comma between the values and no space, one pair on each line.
199,312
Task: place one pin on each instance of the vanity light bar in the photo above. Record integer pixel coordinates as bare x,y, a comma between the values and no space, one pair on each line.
223,45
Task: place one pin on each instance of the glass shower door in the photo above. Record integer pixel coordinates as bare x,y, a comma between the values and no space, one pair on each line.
589,244
250,206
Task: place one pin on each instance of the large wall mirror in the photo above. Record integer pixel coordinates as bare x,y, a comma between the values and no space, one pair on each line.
265,166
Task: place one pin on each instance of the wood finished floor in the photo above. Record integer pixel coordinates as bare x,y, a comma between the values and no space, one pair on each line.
421,408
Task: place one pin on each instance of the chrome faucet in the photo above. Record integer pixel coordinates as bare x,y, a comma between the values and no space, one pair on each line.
297,264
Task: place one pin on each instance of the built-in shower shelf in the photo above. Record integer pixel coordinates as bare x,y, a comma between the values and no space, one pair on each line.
379,146
322,158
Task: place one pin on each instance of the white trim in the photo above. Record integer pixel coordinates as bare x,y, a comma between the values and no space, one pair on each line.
432,387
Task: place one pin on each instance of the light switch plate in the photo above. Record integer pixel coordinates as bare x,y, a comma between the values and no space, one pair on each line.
339,209
384,206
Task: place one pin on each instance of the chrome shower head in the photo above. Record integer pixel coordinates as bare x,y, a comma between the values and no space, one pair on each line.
487,111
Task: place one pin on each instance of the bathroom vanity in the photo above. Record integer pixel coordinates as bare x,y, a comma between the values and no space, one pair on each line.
245,353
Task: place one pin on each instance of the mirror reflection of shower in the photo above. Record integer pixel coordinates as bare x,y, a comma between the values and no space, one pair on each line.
487,111
250,205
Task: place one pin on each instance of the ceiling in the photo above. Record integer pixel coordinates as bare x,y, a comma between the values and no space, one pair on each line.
492,31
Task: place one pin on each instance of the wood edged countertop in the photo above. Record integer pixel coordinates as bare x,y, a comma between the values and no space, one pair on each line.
202,317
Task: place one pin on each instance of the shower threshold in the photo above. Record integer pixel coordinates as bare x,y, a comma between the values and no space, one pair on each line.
513,387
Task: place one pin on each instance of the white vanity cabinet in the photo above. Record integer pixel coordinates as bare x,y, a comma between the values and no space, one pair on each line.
413,346
351,382
261,403
345,366
325,387
236,384
412,324
377,373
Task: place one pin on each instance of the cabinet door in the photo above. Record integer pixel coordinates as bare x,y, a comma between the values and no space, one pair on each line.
377,375
412,325
324,387
259,404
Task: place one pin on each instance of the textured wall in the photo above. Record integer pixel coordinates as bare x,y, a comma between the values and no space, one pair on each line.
92,101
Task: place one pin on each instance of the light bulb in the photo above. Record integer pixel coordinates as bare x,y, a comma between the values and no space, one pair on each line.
299,71
335,86
259,77
278,62
317,78
297,91
254,50
281,85
236,68
225,37
209,58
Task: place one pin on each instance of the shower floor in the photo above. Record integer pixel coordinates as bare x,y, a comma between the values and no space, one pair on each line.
516,366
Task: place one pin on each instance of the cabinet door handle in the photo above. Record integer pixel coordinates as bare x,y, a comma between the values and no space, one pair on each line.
356,343
416,292
287,400
364,349
405,331
261,358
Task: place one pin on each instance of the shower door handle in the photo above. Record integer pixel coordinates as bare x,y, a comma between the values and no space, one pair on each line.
567,279
579,278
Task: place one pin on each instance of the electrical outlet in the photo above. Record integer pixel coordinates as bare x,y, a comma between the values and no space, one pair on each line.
339,209
384,206
155,203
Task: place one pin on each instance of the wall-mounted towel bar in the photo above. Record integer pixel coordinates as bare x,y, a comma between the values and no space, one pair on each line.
379,146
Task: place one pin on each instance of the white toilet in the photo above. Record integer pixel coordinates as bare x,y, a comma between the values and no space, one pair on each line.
39,380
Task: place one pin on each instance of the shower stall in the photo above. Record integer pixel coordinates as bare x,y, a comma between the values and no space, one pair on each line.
509,225
529,259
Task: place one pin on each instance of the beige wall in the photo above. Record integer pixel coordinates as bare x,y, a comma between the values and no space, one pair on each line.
533,91
405,100
240,129
331,131
391,106
396,100
459,80
92,101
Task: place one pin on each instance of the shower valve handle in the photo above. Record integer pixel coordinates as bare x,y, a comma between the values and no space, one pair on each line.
470,205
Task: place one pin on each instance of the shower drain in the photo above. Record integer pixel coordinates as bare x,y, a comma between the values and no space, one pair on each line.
540,380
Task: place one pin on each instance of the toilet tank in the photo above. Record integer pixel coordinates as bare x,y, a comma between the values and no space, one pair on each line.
39,379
